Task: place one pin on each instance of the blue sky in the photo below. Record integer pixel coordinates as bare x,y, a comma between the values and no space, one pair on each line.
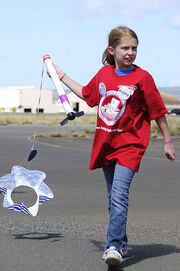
74,33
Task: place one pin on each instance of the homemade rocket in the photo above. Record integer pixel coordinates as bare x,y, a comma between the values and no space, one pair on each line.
71,115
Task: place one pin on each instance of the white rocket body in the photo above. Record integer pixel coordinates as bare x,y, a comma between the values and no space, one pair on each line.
62,95
58,85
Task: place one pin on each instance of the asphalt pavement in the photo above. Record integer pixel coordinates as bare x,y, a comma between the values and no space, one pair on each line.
69,231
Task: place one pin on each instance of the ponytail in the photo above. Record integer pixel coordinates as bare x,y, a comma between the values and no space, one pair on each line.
107,58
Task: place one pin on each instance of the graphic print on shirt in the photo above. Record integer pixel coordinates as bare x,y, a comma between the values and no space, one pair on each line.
102,89
124,92
113,104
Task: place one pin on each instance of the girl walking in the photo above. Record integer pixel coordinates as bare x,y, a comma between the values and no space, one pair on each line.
127,100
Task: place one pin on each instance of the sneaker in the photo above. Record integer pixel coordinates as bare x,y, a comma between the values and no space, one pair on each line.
123,251
112,257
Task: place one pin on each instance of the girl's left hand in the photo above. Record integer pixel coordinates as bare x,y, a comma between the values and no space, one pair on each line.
169,151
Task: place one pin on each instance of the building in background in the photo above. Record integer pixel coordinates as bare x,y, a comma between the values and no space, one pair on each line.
25,100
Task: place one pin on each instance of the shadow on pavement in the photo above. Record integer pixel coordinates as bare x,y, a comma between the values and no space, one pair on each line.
138,253
39,236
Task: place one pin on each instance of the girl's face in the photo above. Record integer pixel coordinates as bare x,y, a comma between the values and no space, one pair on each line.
124,53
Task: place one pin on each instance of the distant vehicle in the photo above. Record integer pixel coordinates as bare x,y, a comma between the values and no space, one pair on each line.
174,111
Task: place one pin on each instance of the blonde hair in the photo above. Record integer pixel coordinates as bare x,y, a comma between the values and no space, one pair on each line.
114,38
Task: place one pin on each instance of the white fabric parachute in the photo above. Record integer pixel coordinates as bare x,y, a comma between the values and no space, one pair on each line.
21,176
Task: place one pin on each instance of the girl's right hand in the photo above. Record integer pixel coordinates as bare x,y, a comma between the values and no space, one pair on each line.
71,84
59,72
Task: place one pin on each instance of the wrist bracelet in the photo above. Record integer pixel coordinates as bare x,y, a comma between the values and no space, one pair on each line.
62,76
168,141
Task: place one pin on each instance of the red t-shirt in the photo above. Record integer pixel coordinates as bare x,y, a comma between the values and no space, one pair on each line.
126,105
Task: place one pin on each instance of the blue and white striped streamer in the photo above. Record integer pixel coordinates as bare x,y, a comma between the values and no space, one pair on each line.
24,177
